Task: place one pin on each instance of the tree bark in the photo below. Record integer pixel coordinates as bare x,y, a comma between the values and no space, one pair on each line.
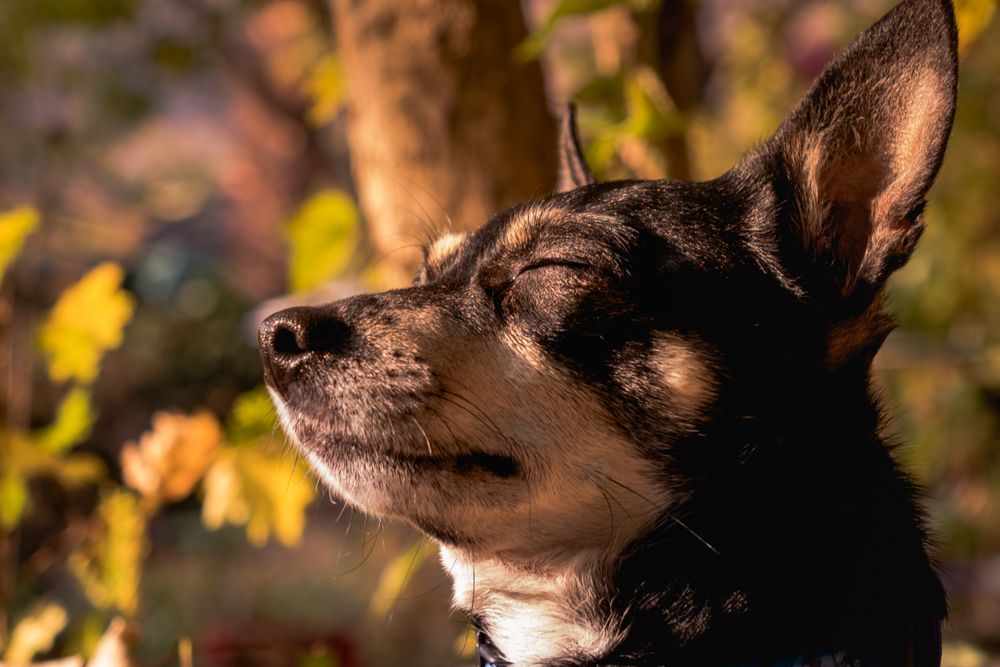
445,127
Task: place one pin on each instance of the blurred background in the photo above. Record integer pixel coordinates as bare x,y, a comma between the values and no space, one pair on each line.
170,170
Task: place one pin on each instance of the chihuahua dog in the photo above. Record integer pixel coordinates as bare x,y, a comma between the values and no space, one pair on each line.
637,416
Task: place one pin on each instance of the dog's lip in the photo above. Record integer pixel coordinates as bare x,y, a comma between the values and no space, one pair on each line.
465,462
498,465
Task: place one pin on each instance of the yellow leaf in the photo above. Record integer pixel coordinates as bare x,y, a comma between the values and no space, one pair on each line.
13,499
224,502
323,236
29,460
247,487
325,86
21,458
108,564
393,579
87,320
72,424
15,226
171,458
973,16
115,647
35,633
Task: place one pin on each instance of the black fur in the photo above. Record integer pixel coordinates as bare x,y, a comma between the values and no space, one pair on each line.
792,530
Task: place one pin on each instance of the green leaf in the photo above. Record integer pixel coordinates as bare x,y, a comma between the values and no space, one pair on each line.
13,499
252,417
532,47
22,459
88,319
35,633
323,236
15,227
73,422
109,563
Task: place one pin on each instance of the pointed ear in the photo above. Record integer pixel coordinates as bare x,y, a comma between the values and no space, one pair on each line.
861,150
573,170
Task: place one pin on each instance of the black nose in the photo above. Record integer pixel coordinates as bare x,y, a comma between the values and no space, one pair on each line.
290,336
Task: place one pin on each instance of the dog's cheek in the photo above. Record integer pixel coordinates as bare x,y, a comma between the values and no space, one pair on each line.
589,486
672,378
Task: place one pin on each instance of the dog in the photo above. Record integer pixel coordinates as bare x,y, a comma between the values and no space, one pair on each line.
637,416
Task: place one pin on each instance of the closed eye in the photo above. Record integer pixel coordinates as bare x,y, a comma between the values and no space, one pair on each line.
570,264
501,291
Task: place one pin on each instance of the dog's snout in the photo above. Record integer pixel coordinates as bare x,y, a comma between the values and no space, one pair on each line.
288,337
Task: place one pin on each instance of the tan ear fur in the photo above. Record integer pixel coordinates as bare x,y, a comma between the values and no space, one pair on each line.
865,144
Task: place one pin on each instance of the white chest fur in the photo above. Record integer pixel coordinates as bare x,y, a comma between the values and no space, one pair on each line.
534,618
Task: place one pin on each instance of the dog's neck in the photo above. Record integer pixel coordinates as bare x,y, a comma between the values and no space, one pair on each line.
536,616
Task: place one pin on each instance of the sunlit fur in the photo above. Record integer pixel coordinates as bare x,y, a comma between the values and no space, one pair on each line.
637,415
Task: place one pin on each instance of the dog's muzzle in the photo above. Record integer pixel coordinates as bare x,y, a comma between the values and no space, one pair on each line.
290,338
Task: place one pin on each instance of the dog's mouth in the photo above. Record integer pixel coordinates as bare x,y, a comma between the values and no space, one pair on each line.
401,445
470,463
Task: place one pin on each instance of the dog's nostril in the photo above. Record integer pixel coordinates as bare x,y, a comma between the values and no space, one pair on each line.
326,334
288,337
285,343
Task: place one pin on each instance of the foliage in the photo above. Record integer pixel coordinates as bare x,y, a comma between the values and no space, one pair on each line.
322,238
72,424
170,459
108,562
15,227
243,482
325,86
394,576
35,632
248,487
533,46
87,321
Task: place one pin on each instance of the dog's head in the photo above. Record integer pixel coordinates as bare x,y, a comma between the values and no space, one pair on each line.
547,384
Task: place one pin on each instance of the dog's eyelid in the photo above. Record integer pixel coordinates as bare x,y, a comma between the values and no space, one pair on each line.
555,261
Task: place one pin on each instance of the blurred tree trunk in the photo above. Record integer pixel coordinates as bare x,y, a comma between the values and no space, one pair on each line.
445,127
685,69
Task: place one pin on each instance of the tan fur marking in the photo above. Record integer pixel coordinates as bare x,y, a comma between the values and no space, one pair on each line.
851,337
444,247
521,228
685,373
912,140
809,152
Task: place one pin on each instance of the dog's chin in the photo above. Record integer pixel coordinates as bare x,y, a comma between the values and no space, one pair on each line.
453,492
458,499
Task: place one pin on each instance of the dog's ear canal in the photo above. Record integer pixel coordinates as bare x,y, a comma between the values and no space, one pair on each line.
573,171
858,154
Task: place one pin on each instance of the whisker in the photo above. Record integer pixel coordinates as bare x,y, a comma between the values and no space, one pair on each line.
430,451
611,516
668,514
427,192
367,555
